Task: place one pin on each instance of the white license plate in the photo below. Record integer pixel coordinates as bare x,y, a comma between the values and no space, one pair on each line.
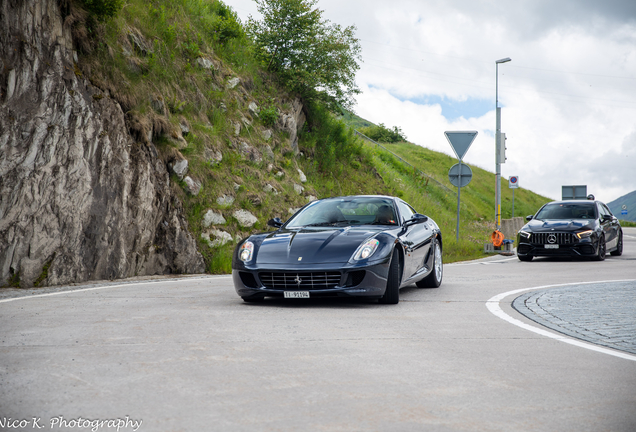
296,294
551,246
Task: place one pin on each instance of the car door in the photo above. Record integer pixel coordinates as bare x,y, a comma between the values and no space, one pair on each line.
615,226
417,241
606,220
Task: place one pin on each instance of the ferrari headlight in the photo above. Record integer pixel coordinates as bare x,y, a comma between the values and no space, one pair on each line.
367,249
246,251
524,234
584,234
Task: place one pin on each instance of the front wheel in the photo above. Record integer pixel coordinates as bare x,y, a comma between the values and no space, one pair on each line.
392,293
434,279
602,249
619,246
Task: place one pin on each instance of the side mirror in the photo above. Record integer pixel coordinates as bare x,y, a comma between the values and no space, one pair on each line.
416,219
275,223
529,218
607,217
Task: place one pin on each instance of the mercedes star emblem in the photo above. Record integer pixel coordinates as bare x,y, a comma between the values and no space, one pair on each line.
552,239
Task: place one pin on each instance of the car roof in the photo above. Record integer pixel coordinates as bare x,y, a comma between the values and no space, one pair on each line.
361,196
573,201
392,198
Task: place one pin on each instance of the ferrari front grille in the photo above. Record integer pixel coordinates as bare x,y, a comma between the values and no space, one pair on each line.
560,238
300,280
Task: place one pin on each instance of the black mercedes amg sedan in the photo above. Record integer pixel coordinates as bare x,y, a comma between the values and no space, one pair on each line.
352,246
576,228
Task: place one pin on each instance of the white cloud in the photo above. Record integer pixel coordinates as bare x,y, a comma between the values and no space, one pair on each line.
568,96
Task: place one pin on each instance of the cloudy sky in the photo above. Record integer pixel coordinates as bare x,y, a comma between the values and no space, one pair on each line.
568,96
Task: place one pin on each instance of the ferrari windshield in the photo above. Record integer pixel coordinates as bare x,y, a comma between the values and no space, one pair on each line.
582,210
346,211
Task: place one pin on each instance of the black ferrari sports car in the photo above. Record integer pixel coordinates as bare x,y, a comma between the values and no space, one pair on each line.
575,228
352,246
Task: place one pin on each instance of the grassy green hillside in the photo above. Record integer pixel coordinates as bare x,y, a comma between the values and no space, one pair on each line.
629,201
437,198
168,63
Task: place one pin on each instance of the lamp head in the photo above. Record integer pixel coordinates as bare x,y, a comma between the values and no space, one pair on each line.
503,60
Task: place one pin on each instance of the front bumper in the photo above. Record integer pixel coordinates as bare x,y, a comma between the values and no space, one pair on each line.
344,281
582,248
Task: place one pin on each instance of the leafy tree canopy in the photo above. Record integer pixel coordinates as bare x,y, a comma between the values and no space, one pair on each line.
313,56
381,133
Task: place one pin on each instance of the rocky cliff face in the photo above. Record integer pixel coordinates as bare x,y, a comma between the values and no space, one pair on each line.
79,198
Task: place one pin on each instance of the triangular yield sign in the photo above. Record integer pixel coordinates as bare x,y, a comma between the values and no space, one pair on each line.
460,141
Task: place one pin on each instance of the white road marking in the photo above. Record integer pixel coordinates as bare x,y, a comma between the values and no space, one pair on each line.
481,262
114,286
493,306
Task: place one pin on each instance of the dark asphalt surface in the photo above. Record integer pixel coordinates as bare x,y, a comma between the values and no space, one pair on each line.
599,313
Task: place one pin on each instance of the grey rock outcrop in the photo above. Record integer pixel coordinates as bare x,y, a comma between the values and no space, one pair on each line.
270,189
269,153
225,200
213,218
267,134
77,194
250,153
253,108
192,186
220,238
204,63
179,167
233,82
293,122
245,218
213,156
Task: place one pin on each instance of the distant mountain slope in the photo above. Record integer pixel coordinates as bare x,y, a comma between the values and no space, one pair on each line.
629,201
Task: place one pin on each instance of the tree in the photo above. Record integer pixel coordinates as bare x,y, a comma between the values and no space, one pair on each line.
381,133
313,56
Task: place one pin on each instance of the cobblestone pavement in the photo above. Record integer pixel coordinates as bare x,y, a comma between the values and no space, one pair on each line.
600,313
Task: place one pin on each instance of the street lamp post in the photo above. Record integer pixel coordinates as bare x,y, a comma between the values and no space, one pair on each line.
498,145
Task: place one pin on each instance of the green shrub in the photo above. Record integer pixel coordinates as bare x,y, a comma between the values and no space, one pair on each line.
222,23
269,114
102,9
381,133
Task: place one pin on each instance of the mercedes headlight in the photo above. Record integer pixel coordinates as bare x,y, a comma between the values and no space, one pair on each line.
366,249
584,234
524,234
246,251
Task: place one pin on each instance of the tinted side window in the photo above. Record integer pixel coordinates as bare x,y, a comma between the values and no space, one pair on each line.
406,211
601,210
607,210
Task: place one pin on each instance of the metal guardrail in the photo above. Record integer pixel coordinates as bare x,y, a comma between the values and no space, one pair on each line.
363,136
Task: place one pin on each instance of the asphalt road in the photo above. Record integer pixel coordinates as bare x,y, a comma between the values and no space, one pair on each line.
188,355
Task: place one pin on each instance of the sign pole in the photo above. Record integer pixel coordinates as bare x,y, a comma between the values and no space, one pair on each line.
513,203
459,193
513,183
460,141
